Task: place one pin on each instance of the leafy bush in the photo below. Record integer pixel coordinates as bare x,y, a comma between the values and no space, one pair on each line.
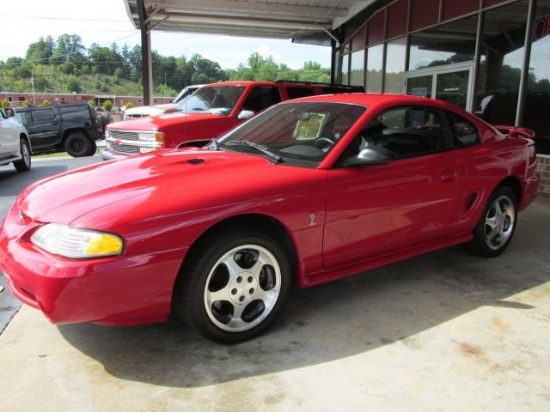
108,105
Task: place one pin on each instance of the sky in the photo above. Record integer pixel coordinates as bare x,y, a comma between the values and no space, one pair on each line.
105,22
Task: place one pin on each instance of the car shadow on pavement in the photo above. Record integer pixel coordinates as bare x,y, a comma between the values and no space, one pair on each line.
391,305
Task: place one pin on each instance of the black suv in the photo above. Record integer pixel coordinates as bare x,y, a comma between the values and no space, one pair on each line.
65,127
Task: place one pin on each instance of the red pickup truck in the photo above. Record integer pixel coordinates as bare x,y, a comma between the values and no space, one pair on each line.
207,114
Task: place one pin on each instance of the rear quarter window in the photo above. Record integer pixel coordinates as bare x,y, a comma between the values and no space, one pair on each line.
463,132
74,112
42,116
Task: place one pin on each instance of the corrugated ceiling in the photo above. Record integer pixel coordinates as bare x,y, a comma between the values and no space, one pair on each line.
308,21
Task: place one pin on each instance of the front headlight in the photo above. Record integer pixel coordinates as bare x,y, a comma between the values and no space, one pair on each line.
76,243
157,137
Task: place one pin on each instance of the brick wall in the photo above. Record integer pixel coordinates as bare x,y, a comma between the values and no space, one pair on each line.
543,167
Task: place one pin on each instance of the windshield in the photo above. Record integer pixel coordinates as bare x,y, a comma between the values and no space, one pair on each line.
214,100
302,131
186,91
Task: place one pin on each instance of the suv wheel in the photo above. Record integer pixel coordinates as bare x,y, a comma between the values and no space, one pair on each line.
24,164
78,145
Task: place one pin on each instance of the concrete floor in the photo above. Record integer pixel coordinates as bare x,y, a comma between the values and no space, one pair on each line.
443,332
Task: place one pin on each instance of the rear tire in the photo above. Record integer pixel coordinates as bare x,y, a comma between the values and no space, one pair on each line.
24,164
497,224
234,286
78,145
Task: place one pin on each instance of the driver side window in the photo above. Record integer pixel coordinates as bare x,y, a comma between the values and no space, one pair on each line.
405,132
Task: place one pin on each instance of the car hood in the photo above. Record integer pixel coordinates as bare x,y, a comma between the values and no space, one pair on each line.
161,183
163,121
152,110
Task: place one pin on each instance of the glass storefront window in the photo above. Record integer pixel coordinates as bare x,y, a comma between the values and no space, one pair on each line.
345,69
396,52
539,65
536,115
375,57
357,72
500,69
445,44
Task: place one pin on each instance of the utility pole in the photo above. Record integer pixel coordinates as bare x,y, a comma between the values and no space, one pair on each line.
32,84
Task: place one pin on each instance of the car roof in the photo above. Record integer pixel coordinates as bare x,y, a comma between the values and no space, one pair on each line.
285,83
378,100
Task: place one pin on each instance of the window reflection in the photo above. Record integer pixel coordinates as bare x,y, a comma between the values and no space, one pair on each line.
345,69
446,44
374,68
395,65
357,73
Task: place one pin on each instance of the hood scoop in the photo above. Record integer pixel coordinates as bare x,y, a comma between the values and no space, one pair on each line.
195,161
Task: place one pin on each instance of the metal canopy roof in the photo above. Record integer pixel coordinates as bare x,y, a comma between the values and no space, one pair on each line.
302,21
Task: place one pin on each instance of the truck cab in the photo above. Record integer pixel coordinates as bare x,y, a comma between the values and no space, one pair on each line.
206,114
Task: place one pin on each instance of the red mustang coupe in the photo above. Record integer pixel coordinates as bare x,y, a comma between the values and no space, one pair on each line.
310,191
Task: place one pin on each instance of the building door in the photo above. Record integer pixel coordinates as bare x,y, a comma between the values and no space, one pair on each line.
450,83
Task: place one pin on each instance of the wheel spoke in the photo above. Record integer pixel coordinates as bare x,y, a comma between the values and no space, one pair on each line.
233,267
236,320
222,294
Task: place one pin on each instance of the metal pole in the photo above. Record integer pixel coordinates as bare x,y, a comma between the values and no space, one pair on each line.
146,64
526,58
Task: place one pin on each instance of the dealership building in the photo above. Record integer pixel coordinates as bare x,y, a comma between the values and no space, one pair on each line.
490,57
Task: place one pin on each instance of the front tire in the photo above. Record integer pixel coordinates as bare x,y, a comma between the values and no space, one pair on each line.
497,225
235,286
24,164
78,145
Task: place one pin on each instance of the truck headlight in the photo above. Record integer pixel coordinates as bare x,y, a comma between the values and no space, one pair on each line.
151,137
76,243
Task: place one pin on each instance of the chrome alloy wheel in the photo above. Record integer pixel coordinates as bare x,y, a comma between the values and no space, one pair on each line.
499,222
242,288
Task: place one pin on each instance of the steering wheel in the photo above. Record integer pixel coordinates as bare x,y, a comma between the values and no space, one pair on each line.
323,142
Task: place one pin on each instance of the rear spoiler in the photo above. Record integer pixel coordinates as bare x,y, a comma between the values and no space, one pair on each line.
514,131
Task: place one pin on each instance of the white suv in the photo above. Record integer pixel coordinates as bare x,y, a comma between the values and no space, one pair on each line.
15,145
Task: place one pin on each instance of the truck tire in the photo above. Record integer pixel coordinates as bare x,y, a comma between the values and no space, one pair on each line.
78,145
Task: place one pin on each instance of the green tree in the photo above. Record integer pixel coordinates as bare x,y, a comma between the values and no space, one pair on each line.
206,71
103,59
41,51
68,48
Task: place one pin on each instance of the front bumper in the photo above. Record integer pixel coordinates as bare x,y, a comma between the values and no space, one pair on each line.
121,290
107,154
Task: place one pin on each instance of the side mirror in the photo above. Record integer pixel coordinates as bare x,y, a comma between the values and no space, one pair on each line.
369,156
245,114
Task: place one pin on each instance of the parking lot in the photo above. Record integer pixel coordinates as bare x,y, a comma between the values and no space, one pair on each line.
441,332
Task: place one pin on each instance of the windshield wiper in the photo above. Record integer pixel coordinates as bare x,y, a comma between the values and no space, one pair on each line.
275,158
